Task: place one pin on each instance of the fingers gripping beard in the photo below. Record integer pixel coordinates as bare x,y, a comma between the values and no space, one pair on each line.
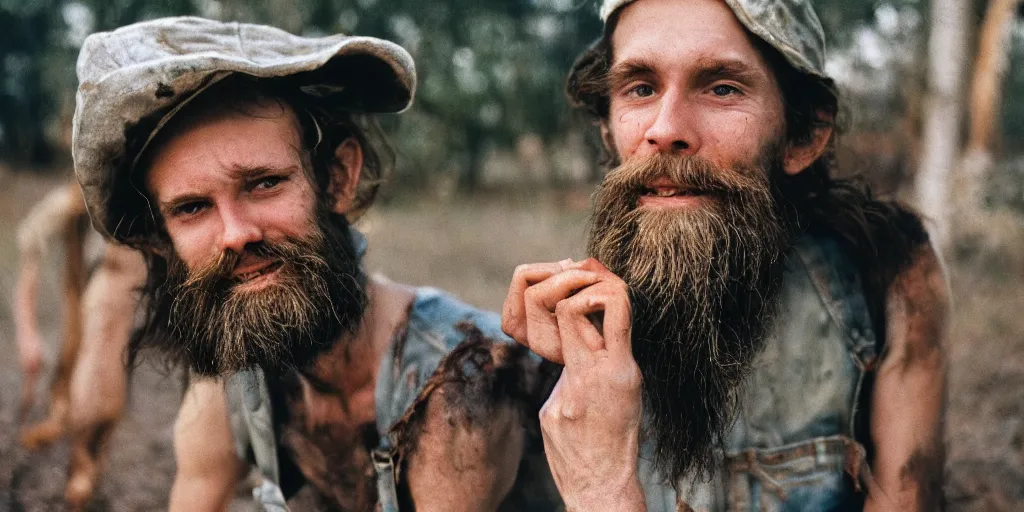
579,314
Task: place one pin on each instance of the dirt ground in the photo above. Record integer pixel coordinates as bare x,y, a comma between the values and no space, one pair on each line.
471,249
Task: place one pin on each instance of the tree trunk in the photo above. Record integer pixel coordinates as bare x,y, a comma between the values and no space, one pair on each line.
987,78
947,55
983,136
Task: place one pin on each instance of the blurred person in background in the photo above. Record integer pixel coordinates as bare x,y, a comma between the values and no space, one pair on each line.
100,295
753,333
235,157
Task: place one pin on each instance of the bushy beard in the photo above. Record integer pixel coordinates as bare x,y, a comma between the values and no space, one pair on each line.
703,281
316,297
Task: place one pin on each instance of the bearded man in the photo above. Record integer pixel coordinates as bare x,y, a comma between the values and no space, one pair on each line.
752,333
234,156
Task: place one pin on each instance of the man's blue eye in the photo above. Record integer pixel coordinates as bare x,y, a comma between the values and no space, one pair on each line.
724,90
643,90
188,209
269,182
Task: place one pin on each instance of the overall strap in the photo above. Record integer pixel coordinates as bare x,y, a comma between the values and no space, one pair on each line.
251,386
838,283
386,396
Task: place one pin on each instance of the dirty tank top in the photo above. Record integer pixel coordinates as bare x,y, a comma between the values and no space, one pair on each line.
793,446
432,332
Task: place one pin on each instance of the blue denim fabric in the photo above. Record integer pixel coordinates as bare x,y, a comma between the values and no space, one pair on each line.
432,333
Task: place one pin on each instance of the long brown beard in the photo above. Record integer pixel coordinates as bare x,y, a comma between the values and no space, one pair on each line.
703,283
316,297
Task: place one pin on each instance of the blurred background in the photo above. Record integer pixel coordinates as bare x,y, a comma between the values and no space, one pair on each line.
494,170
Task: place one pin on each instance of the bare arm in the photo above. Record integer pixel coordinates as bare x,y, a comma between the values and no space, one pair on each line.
42,225
98,384
470,440
908,404
208,467
26,322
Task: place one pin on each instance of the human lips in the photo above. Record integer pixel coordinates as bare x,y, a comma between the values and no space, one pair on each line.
249,272
664,191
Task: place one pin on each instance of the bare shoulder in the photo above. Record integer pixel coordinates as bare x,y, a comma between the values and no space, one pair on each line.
464,438
478,376
49,216
208,467
918,308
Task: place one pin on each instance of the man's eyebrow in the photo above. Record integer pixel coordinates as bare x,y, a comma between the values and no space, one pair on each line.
710,70
256,171
628,70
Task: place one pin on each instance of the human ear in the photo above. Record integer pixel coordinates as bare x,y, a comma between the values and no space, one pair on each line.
800,155
346,168
608,140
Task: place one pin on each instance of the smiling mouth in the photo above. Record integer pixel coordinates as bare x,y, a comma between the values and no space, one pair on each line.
667,194
265,270
665,191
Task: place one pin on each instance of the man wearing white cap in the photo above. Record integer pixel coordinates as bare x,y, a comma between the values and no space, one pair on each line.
752,333
234,157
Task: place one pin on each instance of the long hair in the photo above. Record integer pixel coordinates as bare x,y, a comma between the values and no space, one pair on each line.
881,235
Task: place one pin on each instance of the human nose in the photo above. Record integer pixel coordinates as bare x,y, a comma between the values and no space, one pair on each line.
673,130
239,229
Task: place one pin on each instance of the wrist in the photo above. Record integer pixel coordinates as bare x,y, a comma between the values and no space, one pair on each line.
625,497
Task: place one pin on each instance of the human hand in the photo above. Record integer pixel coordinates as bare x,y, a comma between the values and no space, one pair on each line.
578,314
30,360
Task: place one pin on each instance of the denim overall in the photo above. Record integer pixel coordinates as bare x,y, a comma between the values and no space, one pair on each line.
431,334
793,446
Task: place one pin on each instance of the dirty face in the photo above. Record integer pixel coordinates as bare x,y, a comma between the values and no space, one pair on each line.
231,180
686,79
260,271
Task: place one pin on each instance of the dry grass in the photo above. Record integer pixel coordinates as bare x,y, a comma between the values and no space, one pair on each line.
986,379
470,248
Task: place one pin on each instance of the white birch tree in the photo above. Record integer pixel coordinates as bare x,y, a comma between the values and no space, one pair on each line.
943,114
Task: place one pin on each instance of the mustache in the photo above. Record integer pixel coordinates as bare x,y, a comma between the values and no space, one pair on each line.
219,272
202,315
697,173
663,249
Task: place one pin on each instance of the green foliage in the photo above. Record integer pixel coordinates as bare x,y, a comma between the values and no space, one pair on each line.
26,29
